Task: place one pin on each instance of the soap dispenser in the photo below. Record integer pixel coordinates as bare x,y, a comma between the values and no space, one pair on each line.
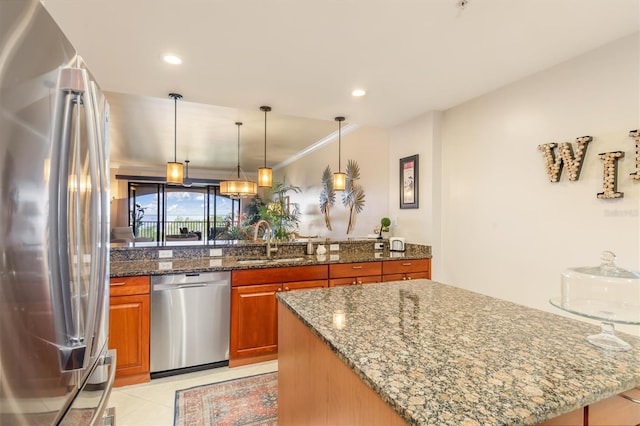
309,247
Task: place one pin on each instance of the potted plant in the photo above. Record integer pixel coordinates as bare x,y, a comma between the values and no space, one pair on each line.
282,215
385,222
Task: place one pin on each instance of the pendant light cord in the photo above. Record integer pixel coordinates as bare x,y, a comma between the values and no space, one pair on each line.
339,145
175,129
266,109
175,97
238,124
339,120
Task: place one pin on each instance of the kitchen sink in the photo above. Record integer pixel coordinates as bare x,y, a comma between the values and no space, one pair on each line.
288,259
252,261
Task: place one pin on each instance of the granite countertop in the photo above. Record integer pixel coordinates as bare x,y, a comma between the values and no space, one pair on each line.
135,261
442,355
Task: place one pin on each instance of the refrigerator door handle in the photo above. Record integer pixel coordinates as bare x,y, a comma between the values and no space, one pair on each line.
109,360
71,344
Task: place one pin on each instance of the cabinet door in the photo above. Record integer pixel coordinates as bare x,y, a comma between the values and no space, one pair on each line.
418,275
254,320
303,285
616,410
393,277
337,282
408,276
129,336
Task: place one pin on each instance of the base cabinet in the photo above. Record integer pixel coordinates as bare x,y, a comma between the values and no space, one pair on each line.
129,312
620,410
399,270
354,273
254,308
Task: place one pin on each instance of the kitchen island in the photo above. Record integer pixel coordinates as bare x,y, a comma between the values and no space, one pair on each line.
422,352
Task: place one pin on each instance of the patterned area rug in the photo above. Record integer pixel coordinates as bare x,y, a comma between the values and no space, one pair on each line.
247,401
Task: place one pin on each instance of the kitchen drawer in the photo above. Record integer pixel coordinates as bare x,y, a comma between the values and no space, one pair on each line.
406,265
126,286
278,275
370,279
362,269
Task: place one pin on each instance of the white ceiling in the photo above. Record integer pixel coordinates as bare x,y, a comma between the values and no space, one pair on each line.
304,57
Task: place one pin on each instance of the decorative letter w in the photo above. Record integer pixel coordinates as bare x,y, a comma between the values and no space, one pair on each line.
565,156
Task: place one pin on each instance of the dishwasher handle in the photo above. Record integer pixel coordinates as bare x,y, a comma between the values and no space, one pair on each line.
193,285
178,286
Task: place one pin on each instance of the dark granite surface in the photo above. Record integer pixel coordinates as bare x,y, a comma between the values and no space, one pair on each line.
144,258
441,355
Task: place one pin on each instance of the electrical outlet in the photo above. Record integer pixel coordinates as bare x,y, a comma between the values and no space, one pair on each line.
163,254
215,262
378,246
334,247
215,252
163,266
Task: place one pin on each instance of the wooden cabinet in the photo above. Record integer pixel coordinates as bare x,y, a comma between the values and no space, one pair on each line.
616,410
406,269
129,328
254,308
354,273
620,410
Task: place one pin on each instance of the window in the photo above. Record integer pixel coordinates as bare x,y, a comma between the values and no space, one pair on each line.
158,211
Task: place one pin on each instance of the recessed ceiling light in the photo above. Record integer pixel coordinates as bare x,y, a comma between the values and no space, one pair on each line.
172,59
359,92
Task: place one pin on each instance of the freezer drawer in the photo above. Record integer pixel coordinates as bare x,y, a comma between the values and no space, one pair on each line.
190,316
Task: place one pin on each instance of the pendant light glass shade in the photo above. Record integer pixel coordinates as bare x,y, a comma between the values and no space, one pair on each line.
174,169
339,178
265,177
238,188
174,173
265,174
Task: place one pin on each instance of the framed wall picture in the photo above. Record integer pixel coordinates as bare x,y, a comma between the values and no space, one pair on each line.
409,182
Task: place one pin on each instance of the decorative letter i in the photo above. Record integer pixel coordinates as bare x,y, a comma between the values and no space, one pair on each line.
610,177
636,135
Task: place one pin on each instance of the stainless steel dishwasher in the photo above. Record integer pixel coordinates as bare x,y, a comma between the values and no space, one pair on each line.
189,322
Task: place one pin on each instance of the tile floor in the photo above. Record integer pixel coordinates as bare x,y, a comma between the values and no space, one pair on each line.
153,403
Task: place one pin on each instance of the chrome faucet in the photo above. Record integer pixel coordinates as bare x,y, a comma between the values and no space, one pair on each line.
268,233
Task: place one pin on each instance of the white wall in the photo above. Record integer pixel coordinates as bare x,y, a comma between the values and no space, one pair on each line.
422,225
368,147
506,230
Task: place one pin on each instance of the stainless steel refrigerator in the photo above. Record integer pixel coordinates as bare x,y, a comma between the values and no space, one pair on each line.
54,220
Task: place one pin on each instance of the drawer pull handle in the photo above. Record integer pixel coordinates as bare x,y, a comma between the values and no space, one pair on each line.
406,264
634,400
286,289
356,267
117,284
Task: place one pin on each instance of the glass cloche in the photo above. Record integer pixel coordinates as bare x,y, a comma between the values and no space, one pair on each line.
606,293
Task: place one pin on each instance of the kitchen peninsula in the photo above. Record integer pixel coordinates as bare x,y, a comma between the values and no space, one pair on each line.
255,279
422,352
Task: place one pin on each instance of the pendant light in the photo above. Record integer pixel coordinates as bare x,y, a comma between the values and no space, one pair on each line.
339,178
186,182
238,188
265,174
174,169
